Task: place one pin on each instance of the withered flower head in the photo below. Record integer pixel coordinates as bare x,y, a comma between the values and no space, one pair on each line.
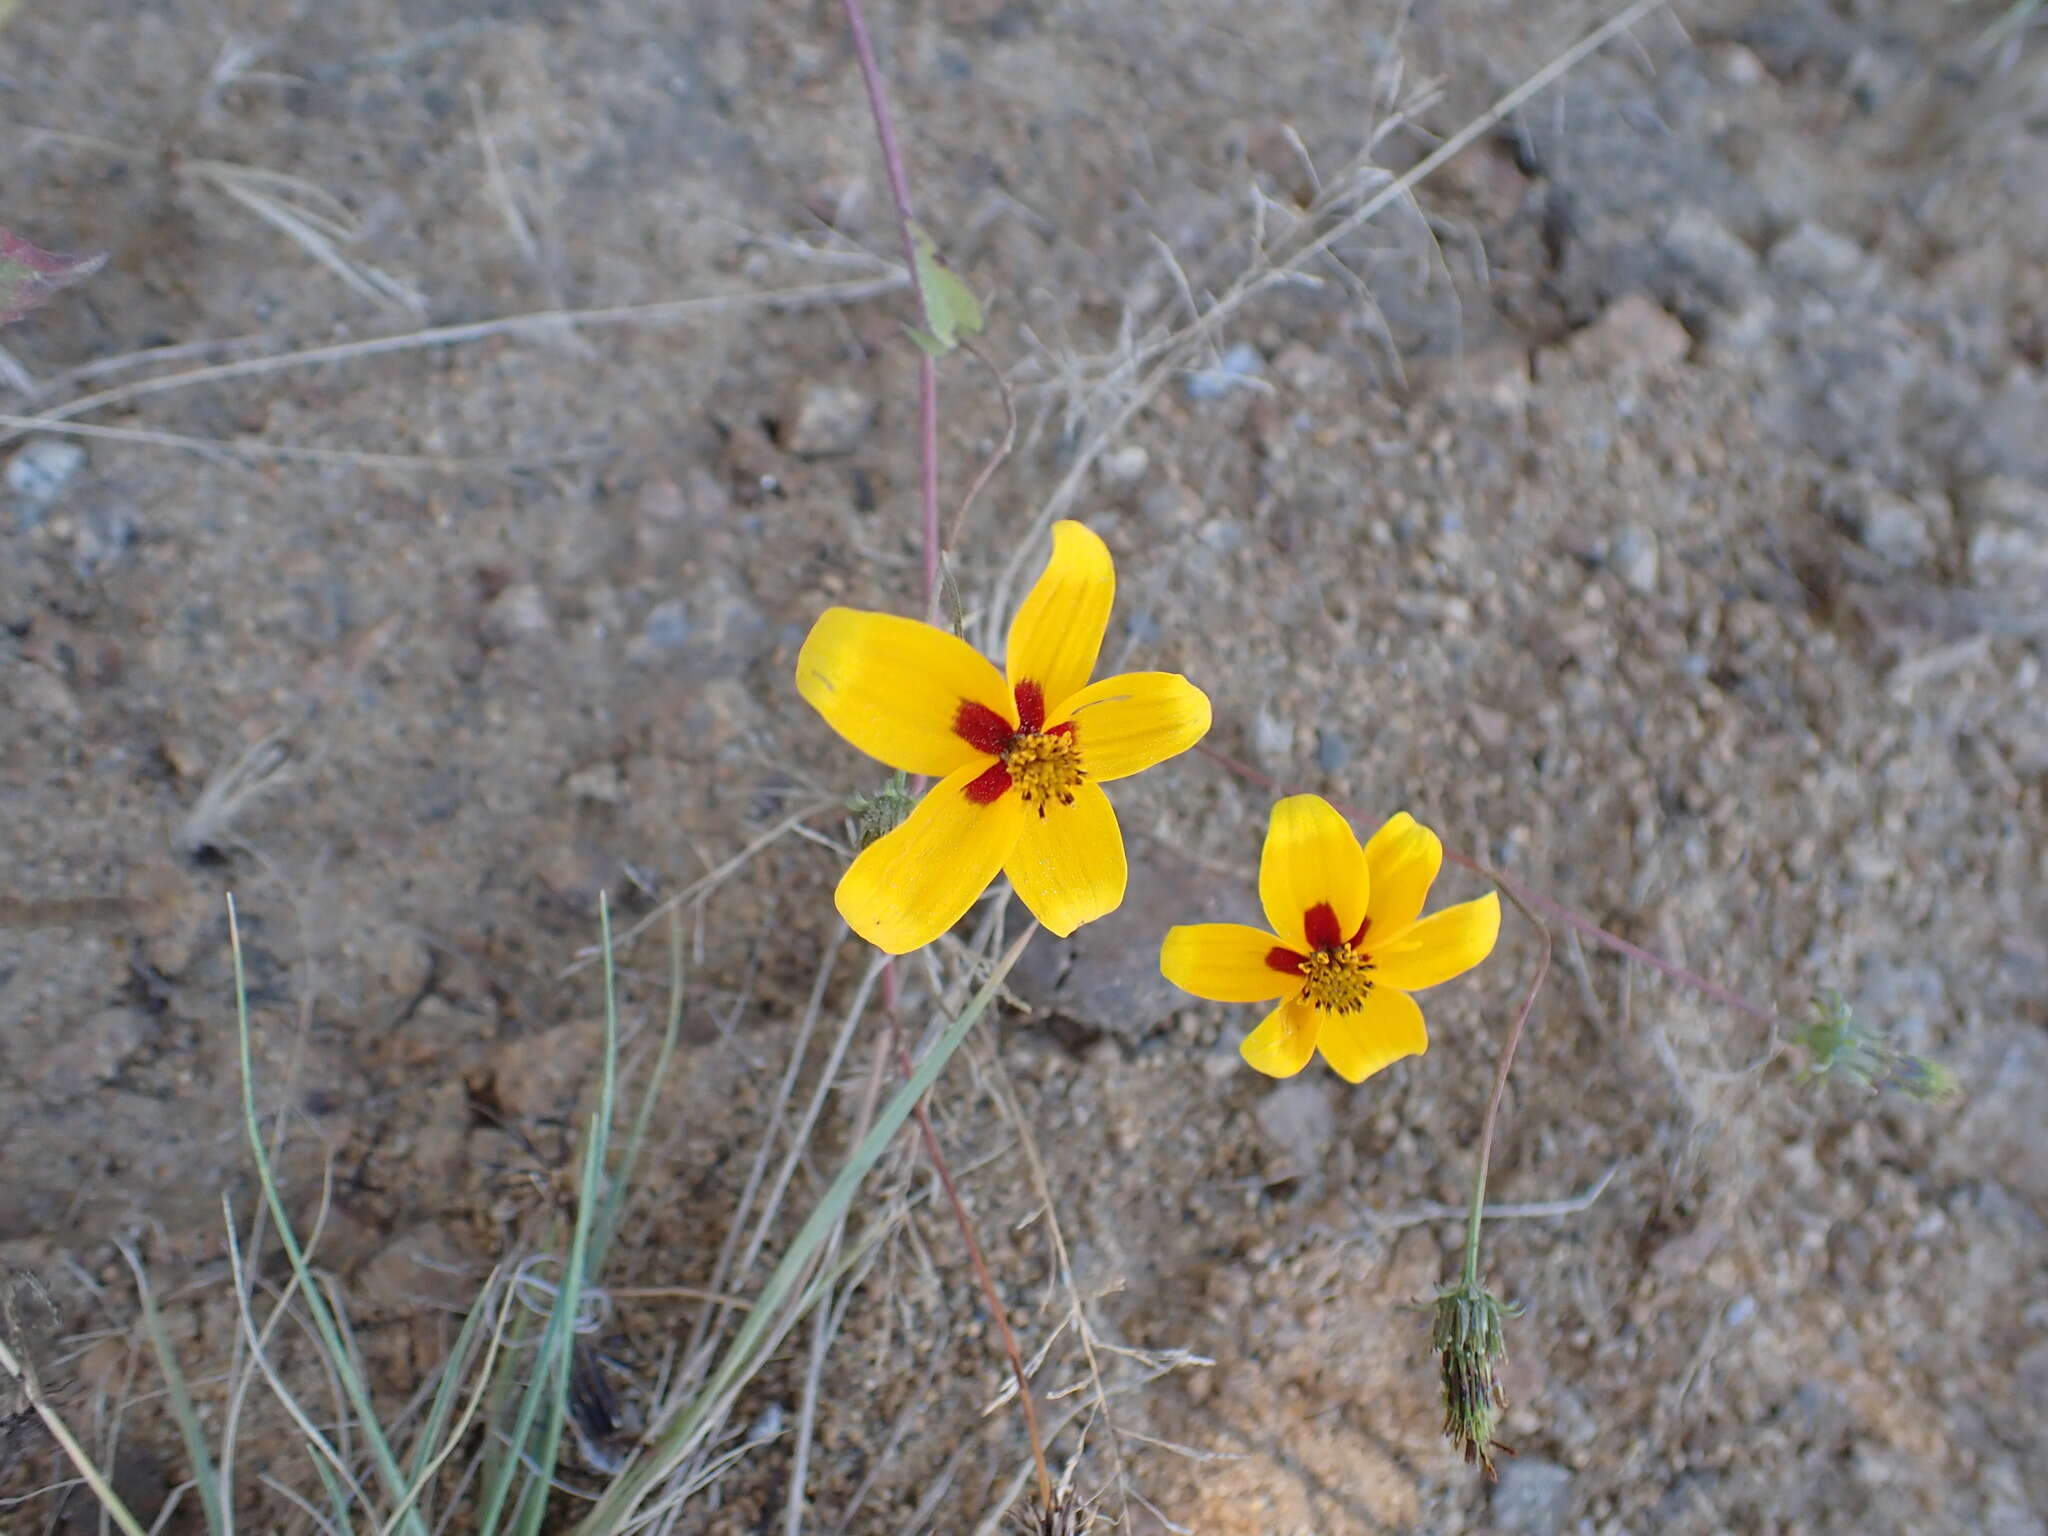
1066,1515
1469,1340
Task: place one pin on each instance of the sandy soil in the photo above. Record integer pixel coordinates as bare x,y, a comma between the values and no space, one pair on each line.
1659,506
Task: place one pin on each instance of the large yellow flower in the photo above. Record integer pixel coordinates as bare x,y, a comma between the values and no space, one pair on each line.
1020,759
1349,943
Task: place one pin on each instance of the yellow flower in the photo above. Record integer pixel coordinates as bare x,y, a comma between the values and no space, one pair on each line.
1349,943
1020,759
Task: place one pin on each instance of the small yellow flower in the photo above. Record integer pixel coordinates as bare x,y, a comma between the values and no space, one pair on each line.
1349,943
1020,759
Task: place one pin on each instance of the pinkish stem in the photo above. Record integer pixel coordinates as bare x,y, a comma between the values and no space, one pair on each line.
906,222
928,522
1566,915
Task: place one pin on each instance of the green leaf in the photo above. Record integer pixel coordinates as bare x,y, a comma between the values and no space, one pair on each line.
951,310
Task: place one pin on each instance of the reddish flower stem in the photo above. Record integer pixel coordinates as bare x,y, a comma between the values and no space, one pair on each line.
975,1256
928,523
906,225
1570,917
988,1290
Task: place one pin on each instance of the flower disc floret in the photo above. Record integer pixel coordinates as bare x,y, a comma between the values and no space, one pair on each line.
1045,767
1338,980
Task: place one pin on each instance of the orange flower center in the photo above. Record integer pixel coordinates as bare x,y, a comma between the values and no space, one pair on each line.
1337,978
1044,766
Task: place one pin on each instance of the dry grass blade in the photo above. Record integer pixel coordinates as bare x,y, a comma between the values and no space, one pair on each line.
664,312
260,769
1183,345
22,1371
313,219
257,448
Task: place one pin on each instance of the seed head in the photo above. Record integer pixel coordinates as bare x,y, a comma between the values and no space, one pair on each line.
1837,1046
1469,1340
1065,1516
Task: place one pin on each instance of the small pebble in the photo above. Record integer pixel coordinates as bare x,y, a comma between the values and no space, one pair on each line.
1815,254
1239,368
668,626
2007,519
600,782
1125,465
1633,336
1532,1497
1300,1118
1272,738
1898,531
1633,557
38,473
518,611
828,419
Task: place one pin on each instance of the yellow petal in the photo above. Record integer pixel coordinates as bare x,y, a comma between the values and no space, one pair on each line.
1403,858
1224,962
895,687
1282,1045
1312,862
1126,724
1444,944
1068,865
1388,1027
1058,630
912,885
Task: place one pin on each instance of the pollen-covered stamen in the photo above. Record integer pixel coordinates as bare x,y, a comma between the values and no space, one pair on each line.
1045,766
1338,978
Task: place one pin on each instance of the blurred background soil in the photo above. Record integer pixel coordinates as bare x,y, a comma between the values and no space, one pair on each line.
1657,503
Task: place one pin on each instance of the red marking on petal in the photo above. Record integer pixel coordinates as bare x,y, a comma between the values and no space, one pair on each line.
1281,959
1030,706
981,727
1319,926
991,786
1358,938
1064,728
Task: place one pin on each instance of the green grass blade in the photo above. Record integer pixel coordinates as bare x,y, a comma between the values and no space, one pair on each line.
622,1177
548,1389
182,1410
336,1494
338,1354
434,1428
742,1356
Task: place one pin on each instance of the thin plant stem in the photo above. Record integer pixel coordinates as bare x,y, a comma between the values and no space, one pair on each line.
1580,923
1477,1214
1002,449
928,523
23,1370
1531,900
662,312
670,1444
988,1289
1175,354
906,223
